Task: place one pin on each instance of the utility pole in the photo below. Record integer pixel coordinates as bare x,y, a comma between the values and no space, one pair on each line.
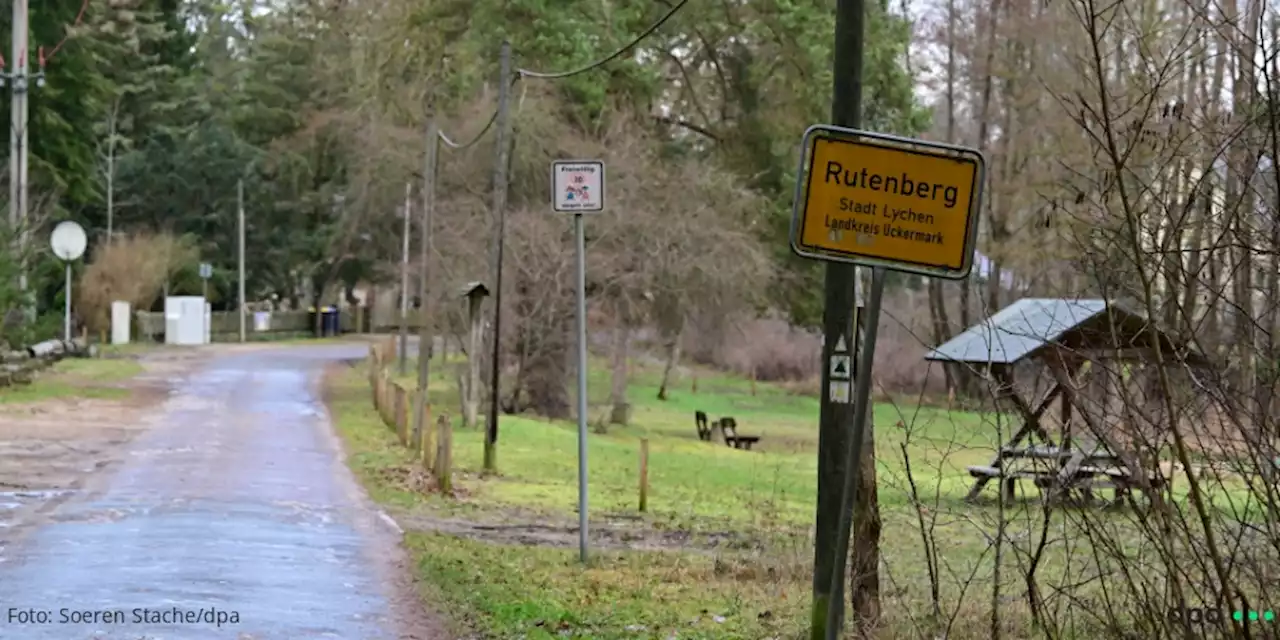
404,280
19,80
500,221
240,218
426,334
836,420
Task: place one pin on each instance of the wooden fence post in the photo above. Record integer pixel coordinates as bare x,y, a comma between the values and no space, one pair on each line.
428,440
374,367
402,414
644,475
386,399
444,454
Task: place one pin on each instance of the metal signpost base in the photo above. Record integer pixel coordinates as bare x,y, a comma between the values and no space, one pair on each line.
577,187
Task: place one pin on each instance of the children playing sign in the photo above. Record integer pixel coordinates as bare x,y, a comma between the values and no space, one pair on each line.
577,186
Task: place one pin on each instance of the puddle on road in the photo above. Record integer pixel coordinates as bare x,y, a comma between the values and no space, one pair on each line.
32,494
12,501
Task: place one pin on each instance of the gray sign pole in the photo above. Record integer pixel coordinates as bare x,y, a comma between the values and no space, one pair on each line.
66,321
853,454
240,257
580,241
68,242
581,191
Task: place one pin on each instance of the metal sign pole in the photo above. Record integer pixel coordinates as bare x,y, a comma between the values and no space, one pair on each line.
66,322
580,241
68,242
853,454
577,187
240,257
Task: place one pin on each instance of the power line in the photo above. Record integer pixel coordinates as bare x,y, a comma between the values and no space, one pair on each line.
526,73
493,117
611,57
448,142
44,59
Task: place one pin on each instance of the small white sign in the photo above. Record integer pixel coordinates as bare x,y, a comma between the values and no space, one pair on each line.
841,347
840,367
206,270
577,186
839,393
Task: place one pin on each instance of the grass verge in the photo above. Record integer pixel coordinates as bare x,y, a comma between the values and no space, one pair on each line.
510,590
509,587
78,377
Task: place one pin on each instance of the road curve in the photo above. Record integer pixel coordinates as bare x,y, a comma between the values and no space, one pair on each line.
234,517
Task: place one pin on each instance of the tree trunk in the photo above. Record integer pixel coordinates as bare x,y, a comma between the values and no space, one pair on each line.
1271,321
1214,257
673,360
1246,168
864,563
941,328
621,411
972,383
114,118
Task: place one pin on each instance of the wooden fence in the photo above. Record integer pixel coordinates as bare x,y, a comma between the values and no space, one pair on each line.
395,404
148,326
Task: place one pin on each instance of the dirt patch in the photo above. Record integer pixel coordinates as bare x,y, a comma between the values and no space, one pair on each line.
50,448
620,533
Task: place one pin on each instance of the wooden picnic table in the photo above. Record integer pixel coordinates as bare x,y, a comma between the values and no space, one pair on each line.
1069,469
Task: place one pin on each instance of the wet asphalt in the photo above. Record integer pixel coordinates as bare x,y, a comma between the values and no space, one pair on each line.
233,517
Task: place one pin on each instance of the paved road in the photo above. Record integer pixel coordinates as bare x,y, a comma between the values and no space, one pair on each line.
233,518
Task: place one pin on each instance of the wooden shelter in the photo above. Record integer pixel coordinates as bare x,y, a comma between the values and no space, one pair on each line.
1072,340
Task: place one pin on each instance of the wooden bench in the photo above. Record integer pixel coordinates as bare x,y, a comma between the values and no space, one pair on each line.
704,430
729,428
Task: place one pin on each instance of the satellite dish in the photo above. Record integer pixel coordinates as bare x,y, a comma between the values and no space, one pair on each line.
68,241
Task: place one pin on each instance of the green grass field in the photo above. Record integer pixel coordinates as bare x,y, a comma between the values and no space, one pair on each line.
79,377
758,589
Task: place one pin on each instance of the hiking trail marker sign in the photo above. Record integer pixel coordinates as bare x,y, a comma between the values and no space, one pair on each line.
577,186
876,200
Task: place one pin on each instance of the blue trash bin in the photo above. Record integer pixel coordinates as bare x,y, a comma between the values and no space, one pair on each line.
329,321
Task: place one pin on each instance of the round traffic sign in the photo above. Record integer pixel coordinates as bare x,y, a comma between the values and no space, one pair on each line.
68,241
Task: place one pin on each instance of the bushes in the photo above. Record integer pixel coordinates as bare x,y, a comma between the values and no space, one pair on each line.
776,351
772,349
131,269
